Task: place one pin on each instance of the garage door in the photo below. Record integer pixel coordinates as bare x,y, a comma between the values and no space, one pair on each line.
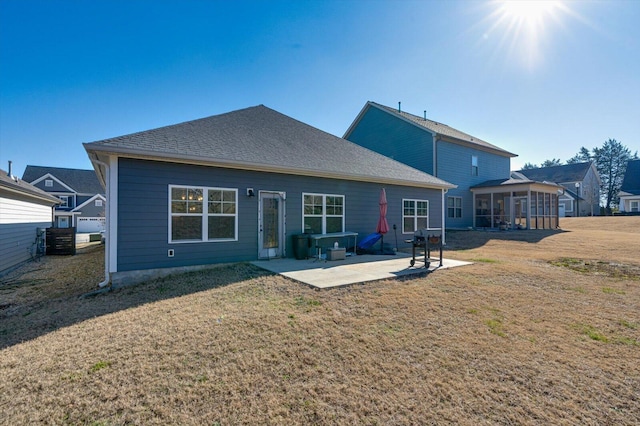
91,224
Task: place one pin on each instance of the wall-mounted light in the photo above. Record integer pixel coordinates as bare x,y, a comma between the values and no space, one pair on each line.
250,192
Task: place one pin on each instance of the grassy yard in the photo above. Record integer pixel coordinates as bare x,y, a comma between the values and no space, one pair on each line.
544,328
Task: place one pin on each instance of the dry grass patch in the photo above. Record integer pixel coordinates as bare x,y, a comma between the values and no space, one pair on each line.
505,342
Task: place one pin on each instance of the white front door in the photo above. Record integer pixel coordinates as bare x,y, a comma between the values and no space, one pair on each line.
271,224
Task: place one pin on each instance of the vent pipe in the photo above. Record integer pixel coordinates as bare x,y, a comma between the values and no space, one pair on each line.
9,172
399,109
425,115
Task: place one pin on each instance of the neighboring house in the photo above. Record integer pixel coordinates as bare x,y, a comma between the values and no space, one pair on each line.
630,190
434,148
23,209
238,187
582,187
82,197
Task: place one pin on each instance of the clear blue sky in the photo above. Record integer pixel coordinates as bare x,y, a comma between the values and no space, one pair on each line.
540,85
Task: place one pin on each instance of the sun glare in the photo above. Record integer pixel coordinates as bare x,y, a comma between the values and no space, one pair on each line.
526,26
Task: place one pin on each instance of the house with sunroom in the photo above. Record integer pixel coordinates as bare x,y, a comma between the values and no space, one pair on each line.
239,186
630,189
82,199
435,148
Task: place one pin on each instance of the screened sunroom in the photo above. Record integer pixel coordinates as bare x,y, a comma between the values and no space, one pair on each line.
516,204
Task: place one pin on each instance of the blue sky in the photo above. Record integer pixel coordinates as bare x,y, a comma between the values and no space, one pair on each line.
540,86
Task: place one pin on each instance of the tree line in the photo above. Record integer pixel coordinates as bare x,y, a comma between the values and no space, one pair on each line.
611,162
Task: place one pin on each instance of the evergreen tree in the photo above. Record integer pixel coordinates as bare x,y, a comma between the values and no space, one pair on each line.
551,163
582,156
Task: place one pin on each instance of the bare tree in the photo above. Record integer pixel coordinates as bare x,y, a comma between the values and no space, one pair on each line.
611,162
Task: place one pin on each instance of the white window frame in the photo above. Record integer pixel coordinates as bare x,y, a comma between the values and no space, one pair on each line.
636,207
324,214
455,208
48,183
98,203
65,201
204,214
475,170
414,215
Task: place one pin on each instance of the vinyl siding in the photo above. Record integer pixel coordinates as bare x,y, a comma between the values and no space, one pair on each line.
454,165
395,138
19,220
143,211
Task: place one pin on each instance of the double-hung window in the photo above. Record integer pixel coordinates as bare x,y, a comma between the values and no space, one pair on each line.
454,207
415,215
202,214
634,206
65,201
323,213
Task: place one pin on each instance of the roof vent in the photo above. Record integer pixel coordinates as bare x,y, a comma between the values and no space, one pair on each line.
399,109
425,115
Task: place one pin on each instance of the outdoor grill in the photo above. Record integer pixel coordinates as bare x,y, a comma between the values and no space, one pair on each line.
424,243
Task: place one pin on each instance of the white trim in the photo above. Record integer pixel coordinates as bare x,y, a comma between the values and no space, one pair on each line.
204,215
324,210
415,216
103,198
454,207
50,176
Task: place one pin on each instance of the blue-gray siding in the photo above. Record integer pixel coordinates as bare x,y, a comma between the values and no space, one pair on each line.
391,136
395,138
143,211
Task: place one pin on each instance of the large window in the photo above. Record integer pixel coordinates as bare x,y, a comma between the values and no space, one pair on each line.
203,214
322,213
415,215
454,207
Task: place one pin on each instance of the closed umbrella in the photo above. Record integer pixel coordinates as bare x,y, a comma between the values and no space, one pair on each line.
383,226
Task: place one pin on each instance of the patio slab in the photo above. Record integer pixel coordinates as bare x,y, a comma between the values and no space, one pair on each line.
352,270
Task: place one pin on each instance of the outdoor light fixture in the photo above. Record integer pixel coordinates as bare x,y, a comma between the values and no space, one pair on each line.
250,192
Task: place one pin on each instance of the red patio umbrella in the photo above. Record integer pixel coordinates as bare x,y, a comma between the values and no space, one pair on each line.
383,226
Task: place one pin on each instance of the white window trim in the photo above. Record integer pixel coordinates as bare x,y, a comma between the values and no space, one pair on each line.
205,215
475,169
454,197
65,201
48,183
98,203
631,206
324,209
414,216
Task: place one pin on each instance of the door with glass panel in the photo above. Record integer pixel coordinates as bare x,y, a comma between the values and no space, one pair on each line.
271,224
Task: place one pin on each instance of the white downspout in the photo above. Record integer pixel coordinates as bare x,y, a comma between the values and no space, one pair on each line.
107,276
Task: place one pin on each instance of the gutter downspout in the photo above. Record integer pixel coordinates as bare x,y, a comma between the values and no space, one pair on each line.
444,241
107,276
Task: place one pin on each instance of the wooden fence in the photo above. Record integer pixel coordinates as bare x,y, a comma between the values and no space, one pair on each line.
61,241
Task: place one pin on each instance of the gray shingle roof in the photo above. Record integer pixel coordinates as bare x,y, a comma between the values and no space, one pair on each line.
25,188
82,181
631,181
259,138
443,129
565,173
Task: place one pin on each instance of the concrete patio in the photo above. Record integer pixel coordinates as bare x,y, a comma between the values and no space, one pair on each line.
352,270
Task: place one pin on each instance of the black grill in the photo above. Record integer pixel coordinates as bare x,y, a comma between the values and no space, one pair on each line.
425,243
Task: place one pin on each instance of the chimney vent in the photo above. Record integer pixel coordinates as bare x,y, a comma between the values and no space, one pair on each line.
10,171
425,115
399,109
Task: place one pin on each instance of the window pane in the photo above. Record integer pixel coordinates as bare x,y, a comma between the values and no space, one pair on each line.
450,201
407,224
229,208
422,222
194,207
423,208
313,225
186,228
334,224
178,194
229,196
215,208
450,212
178,207
221,227
458,202
215,195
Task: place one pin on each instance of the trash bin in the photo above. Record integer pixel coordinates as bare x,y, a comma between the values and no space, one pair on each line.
301,246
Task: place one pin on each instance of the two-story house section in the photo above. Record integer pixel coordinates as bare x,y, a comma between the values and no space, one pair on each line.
434,148
581,181
82,197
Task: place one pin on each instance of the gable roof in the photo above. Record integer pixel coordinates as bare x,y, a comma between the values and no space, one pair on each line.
631,181
81,181
566,173
433,127
19,186
259,138
514,179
